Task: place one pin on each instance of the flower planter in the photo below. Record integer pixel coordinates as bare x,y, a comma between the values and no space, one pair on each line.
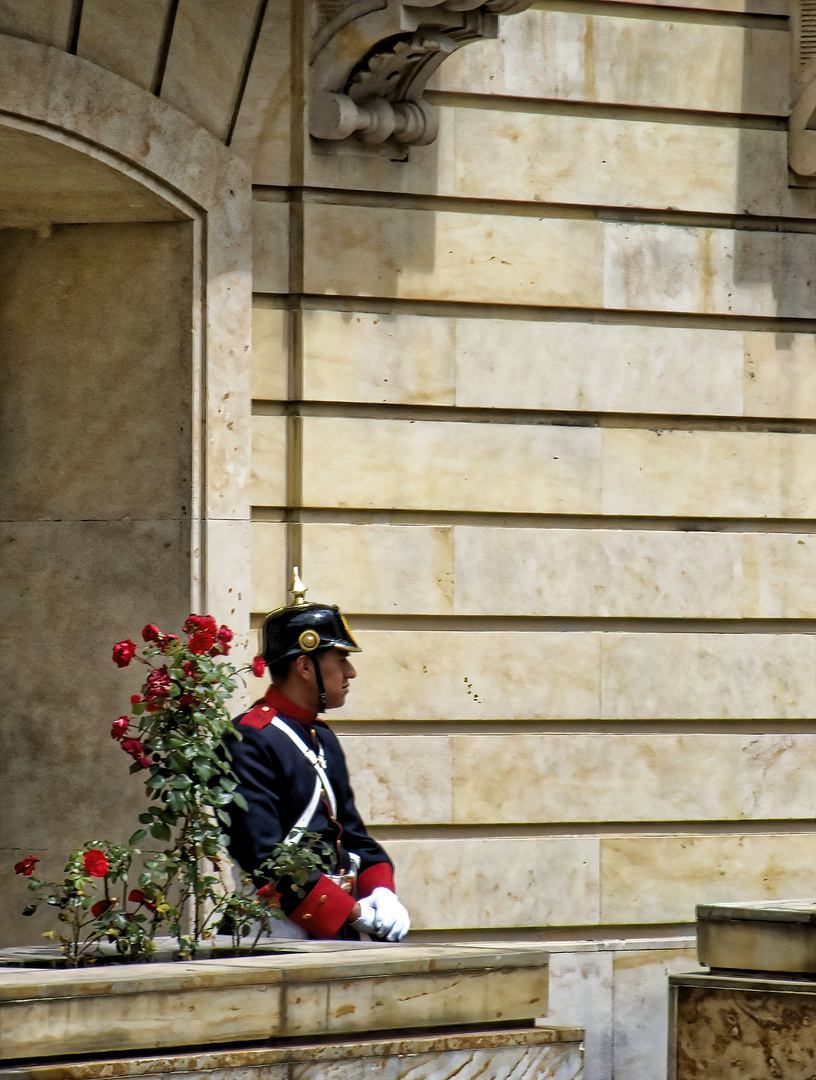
315,990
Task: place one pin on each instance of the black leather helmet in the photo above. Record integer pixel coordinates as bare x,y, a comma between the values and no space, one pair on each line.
305,628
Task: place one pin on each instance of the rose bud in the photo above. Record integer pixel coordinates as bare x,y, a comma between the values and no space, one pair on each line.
123,652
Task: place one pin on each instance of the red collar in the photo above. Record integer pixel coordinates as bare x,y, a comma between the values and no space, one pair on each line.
283,706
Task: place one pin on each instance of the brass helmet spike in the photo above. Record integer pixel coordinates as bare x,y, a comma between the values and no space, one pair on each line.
298,589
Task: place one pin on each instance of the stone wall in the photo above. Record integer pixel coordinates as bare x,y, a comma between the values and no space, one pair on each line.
535,407
534,404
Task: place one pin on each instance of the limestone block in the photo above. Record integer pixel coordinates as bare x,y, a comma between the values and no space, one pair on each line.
501,363
227,580
74,588
270,352
105,432
763,7
778,576
415,1001
560,1062
659,268
450,256
547,261
205,65
505,1053
604,162
709,473
268,561
721,676
440,675
262,127
780,378
441,570
498,882
270,247
124,39
581,990
560,778
641,1012
156,1016
542,156
628,61
402,779
628,572
674,873
553,469
357,356
451,466
46,21
268,481
398,569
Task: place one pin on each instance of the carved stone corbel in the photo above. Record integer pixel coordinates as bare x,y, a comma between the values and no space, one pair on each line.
371,61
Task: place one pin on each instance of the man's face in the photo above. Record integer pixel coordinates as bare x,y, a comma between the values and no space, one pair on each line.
337,671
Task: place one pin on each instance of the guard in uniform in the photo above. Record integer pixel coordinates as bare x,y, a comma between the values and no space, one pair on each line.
293,775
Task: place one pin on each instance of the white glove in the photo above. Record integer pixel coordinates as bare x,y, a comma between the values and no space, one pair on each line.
383,916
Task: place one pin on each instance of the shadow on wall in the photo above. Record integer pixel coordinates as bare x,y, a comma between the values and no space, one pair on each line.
95,439
774,273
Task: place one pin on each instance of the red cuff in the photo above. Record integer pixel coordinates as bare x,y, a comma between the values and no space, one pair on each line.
324,910
379,876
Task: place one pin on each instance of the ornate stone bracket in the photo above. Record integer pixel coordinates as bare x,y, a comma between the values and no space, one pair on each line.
371,61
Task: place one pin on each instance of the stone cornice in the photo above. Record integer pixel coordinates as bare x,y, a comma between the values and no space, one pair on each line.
371,61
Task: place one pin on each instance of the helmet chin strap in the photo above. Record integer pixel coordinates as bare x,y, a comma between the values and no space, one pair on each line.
321,699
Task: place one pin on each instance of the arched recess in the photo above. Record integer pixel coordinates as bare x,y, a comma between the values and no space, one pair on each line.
125,305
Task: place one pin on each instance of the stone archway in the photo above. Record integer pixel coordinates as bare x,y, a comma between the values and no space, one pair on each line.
124,310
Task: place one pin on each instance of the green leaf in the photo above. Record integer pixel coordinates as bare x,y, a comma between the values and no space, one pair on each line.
138,836
223,816
176,801
160,831
29,909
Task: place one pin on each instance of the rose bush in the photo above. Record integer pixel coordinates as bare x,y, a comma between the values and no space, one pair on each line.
174,737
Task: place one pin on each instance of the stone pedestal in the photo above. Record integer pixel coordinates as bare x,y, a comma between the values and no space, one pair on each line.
753,1014
311,1012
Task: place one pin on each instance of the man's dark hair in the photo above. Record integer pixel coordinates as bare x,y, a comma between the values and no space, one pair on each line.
279,669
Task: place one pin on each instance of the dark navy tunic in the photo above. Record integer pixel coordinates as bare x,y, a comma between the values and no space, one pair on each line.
278,784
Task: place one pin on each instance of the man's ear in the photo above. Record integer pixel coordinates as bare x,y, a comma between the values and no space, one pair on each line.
302,666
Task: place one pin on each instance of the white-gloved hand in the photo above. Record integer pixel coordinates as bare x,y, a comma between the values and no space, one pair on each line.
383,916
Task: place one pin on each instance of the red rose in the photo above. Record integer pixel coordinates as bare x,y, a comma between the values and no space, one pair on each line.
26,866
225,635
101,906
138,897
96,863
135,699
132,747
200,642
185,700
205,624
151,633
189,669
158,683
258,666
119,727
123,652
143,761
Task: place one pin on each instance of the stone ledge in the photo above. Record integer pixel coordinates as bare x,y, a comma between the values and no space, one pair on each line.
366,988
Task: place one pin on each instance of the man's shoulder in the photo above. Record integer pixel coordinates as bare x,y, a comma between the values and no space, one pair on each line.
260,716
